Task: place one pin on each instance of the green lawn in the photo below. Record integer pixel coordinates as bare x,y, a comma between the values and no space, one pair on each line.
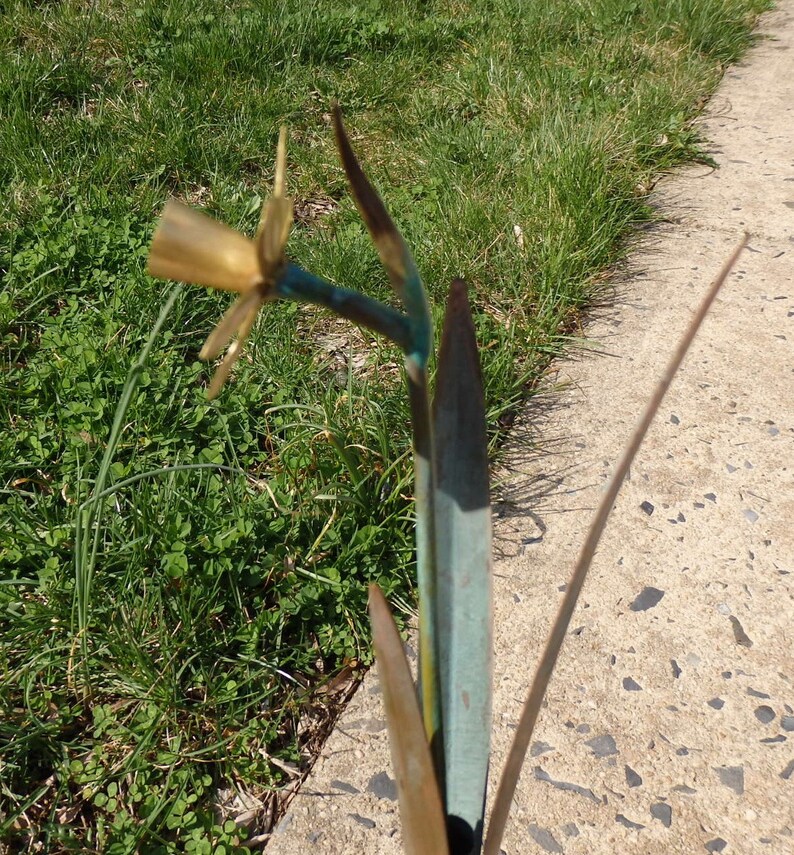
515,144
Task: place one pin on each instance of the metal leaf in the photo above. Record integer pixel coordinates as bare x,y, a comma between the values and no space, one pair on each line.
394,254
463,556
421,814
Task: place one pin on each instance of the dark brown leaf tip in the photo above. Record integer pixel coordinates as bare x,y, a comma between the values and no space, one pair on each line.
367,200
458,300
458,334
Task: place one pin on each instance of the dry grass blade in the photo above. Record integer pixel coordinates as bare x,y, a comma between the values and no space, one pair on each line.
421,814
529,714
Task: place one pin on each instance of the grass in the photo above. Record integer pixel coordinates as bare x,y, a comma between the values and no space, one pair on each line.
221,577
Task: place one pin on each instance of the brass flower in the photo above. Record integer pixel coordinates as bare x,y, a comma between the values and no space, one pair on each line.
191,247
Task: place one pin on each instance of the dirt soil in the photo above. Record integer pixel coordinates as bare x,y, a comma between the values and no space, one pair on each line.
669,723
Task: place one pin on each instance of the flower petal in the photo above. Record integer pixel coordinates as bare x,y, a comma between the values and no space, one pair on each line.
276,223
276,218
230,323
223,371
191,247
280,177
233,354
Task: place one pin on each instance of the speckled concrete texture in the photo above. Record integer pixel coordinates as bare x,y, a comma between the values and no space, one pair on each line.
669,723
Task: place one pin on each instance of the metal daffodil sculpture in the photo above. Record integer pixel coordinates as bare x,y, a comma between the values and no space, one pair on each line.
192,247
439,739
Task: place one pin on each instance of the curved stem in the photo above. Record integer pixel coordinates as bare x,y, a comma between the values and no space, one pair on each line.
297,284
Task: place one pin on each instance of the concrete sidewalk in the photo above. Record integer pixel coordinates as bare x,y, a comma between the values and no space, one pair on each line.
669,724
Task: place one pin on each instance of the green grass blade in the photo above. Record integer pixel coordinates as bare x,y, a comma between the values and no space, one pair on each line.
463,555
421,814
85,546
529,714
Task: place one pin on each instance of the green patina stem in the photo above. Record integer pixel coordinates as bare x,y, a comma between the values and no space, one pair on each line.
298,284
424,489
